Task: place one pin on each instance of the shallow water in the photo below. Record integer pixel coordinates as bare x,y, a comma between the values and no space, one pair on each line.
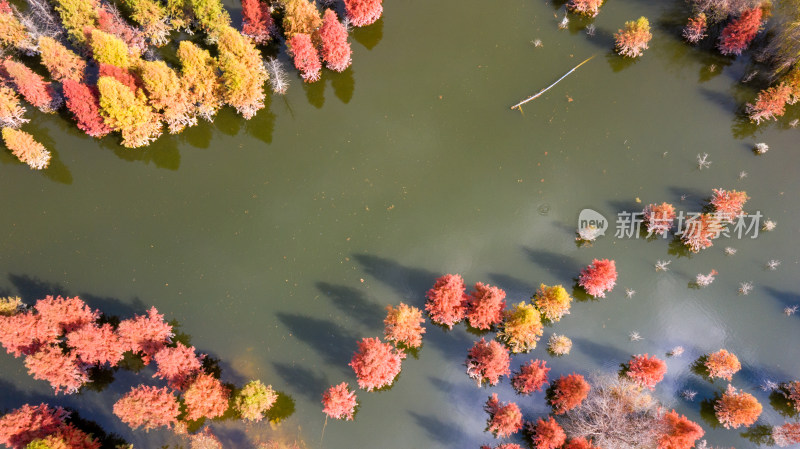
277,243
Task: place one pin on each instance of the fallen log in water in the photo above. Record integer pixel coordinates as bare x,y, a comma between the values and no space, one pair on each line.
533,97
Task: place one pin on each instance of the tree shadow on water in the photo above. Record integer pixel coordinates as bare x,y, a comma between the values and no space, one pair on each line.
563,268
354,303
343,85
334,343
437,429
315,93
369,36
31,289
410,283
306,382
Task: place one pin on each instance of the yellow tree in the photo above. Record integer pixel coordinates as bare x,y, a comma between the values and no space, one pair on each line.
199,79
166,95
77,16
243,72
152,16
109,49
12,32
12,113
61,62
300,16
128,113
26,149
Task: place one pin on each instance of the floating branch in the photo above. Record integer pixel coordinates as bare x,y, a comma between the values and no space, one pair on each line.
533,97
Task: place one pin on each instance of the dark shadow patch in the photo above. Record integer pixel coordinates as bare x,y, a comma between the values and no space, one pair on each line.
354,303
306,382
407,282
334,343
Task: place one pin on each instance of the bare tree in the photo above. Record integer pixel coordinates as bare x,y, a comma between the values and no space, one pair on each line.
616,414
41,20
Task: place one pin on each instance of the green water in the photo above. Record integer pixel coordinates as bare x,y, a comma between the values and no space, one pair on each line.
277,243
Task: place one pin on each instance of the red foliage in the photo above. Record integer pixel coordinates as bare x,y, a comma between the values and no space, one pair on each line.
659,218
363,12
27,423
579,443
376,363
148,407
722,364
31,86
5,8
335,49
770,103
67,314
306,57
504,419
206,397
205,439
531,377
256,20
792,392
679,432
84,103
63,371
96,345
632,41
73,438
736,408
339,402
486,304
740,32
447,300
547,434
145,334
700,231
599,277
25,333
695,29
646,371
124,76
504,446
568,392
403,325
488,361
112,23
588,8
728,203
787,434
177,365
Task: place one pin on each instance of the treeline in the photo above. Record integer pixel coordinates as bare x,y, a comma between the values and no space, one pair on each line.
103,69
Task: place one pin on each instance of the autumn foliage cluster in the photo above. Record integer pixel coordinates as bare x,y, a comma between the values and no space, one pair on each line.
554,302
447,300
679,432
488,361
505,419
646,370
547,434
589,8
722,364
522,327
659,218
736,408
599,277
42,426
339,402
700,231
632,40
728,204
568,392
531,377
403,325
376,364
110,86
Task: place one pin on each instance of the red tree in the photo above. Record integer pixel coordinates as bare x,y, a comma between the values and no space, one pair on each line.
579,443
84,103
148,407
63,371
700,231
305,56
740,32
31,86
67,314
363,12
339,402
547,434
531,377
27,423
376,364
70,437
206,397
792,392
728,203
25,333
504,419
447,300
695,29
646,371
488,361
679,432
256,20
124,76
96,345
145,334
403,325
177,365
335,49
486,304
770,103
112,23
722,364
658,218
786,434
737,408
599,277
504,446
568,392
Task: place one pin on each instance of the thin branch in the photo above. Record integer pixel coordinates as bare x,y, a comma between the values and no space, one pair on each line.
533,97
